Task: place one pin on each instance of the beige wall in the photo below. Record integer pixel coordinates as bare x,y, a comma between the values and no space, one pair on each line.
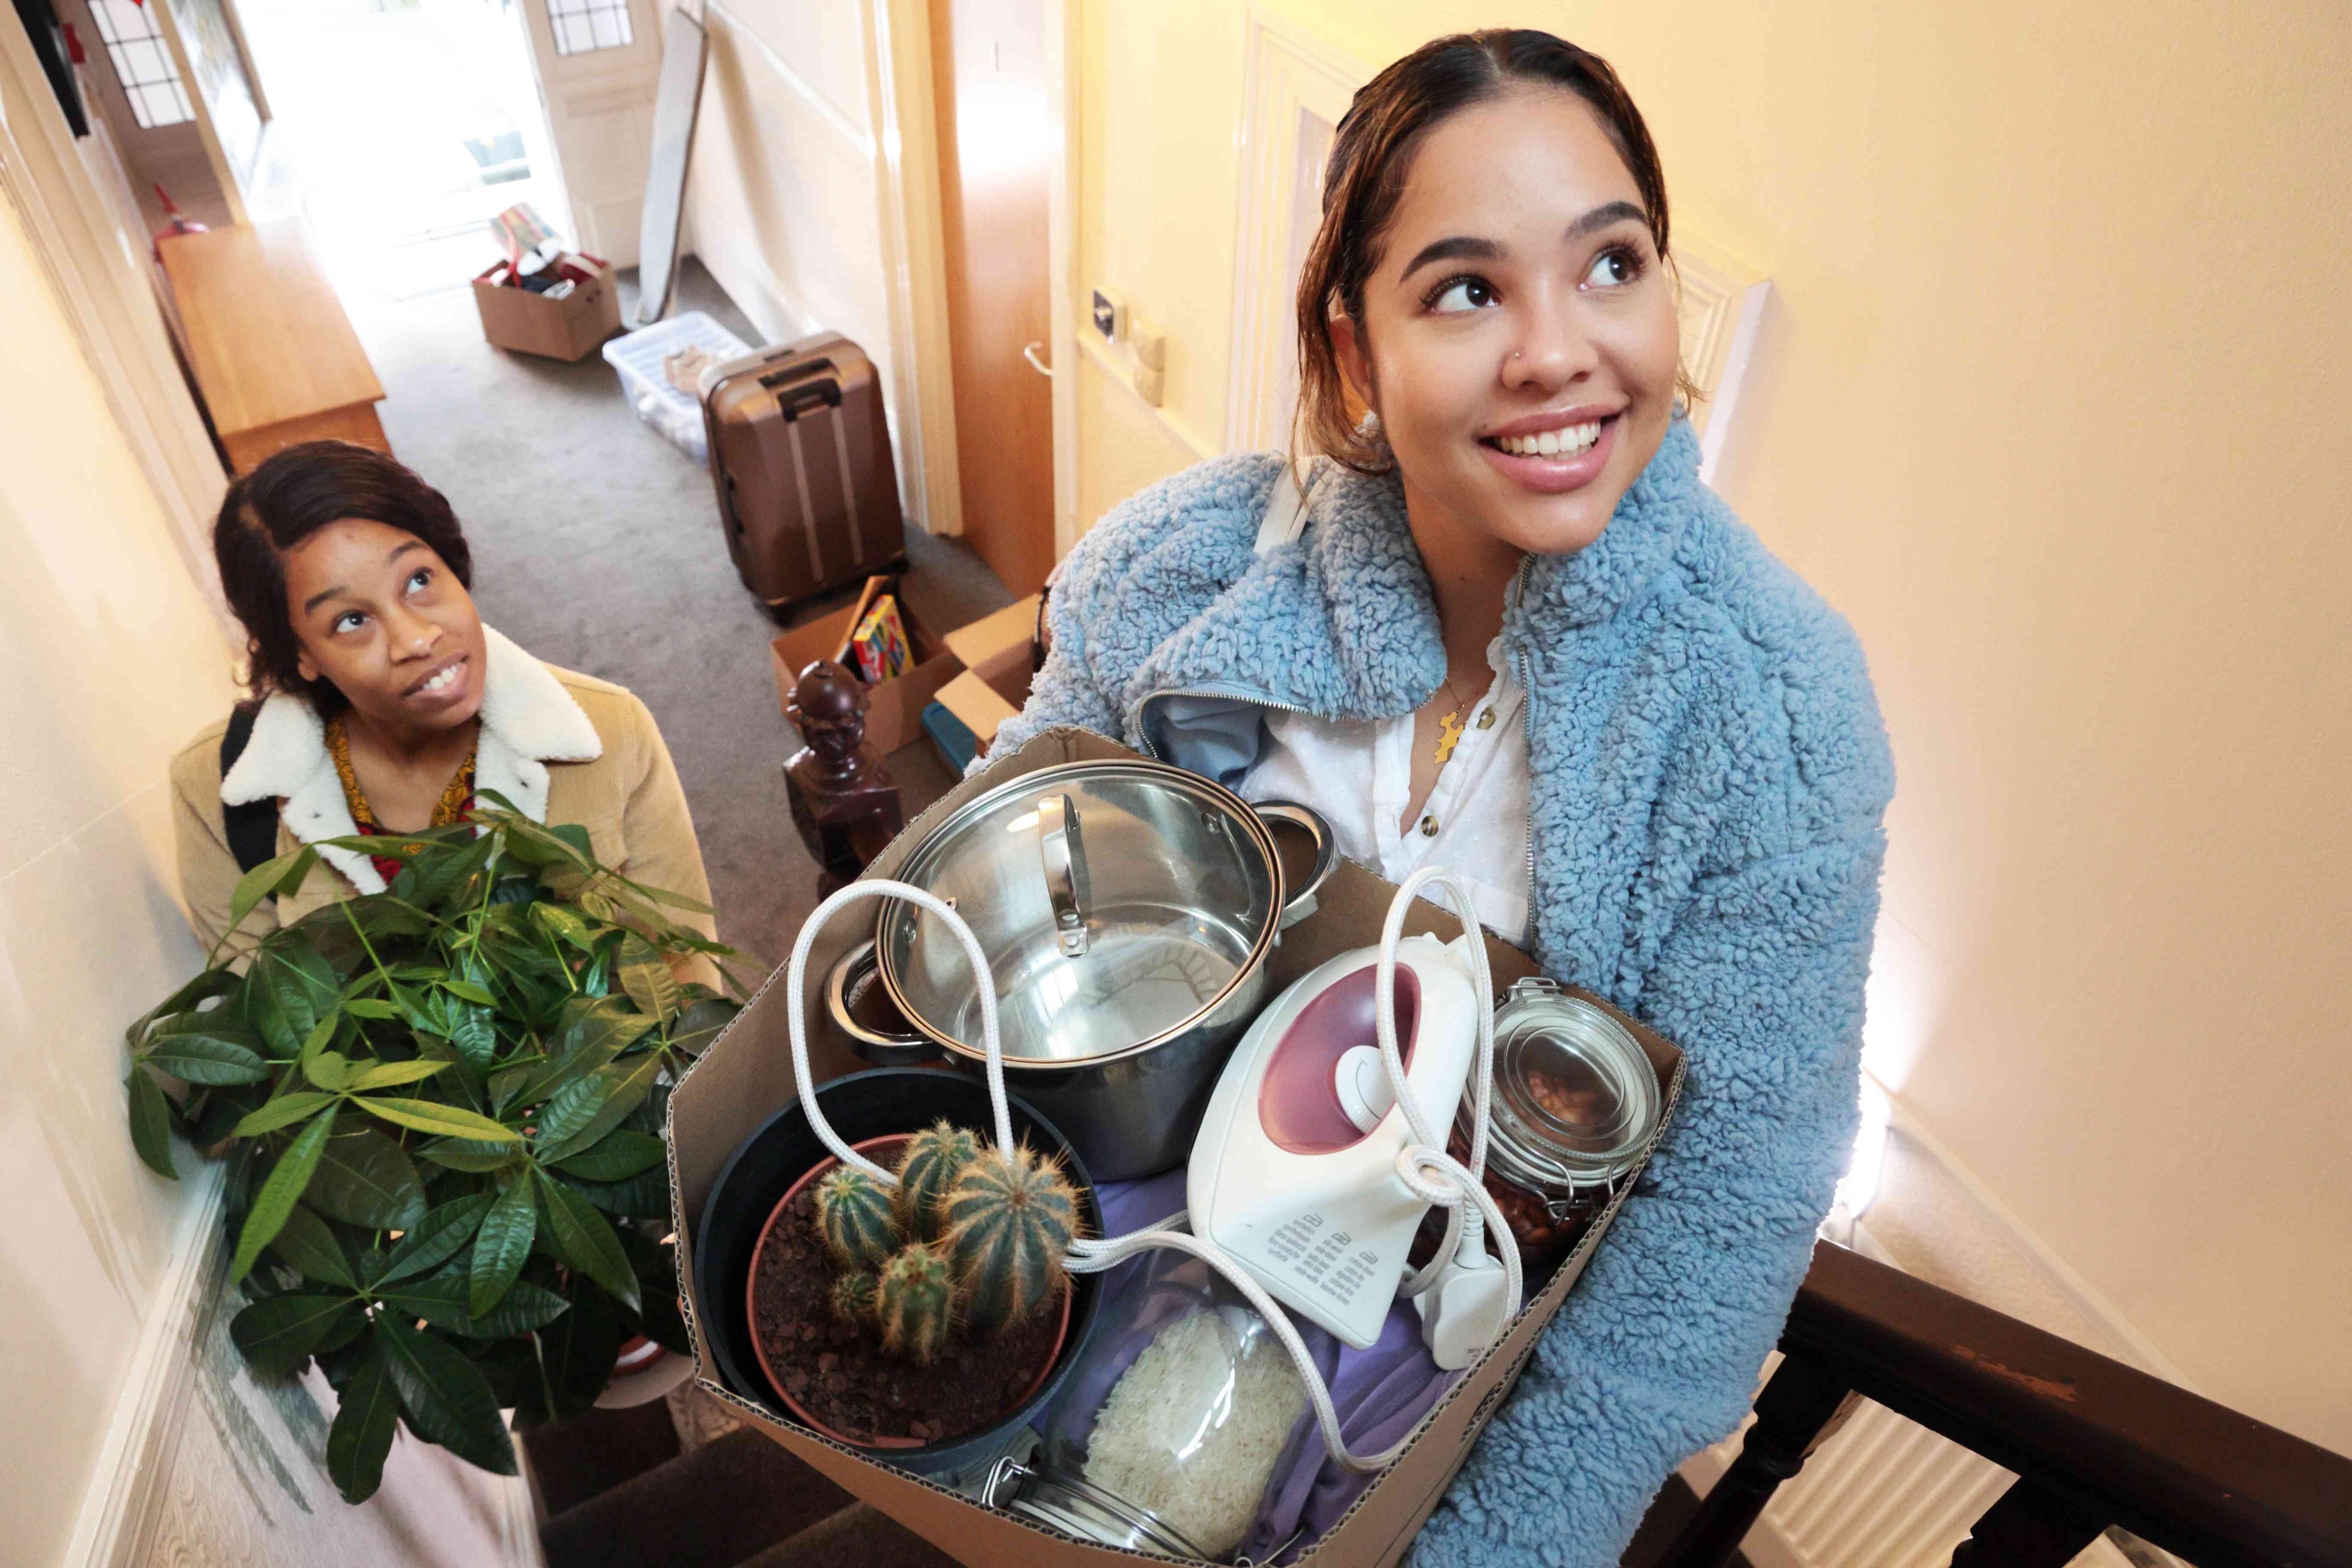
795,199
112,662
2050,405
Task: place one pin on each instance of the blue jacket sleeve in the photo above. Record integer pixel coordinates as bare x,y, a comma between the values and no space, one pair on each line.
1656,1353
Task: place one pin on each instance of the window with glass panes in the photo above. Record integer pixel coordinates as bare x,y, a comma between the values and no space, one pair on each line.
142,63
582,25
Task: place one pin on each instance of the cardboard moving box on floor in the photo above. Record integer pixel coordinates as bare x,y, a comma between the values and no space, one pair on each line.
565,328
747,1075
985,664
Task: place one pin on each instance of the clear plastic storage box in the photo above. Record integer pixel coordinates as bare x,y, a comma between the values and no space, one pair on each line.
637,358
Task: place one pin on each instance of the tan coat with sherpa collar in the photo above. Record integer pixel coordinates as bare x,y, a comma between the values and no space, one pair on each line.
563,747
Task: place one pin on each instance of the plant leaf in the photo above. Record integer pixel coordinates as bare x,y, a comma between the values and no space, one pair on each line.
585,1239
280,1332
366,1415
564,924
434,1238
281,874
365,1180
503,1245
385,1075
646,977
276,1200
441,1301
576,1351
151,1123
290,987
309,1243
571,1108
470,992
615,1157
447,1400
448,1120
212,1058
627,1083
645,1195
701,1023
327,1069
282,1111
466,1154
371,1007
212,982
475,1032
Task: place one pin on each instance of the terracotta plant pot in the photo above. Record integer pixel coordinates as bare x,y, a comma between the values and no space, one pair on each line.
882,1102
882,1151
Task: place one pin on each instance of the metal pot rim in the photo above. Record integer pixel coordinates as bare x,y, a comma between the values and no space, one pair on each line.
1234,807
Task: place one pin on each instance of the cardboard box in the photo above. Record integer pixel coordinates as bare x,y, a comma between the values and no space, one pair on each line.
747,1074
994,683
565,328
986,663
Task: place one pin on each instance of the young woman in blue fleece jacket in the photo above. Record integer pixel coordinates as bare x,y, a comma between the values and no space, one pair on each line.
1698,772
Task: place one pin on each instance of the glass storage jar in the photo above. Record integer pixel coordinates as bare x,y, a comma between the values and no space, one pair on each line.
1167,1435
1575,1102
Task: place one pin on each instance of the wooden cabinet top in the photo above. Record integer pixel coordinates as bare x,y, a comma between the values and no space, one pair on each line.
268,337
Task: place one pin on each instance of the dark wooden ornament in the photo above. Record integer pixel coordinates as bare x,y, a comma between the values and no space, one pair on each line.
843,802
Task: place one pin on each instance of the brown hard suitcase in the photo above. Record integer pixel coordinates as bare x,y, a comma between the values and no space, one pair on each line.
800,457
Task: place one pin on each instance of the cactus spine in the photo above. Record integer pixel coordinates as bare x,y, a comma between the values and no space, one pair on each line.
915,1303
1008,1222
928,1167
853,1215
852,1298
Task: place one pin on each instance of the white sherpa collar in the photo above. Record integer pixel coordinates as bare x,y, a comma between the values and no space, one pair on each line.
528,721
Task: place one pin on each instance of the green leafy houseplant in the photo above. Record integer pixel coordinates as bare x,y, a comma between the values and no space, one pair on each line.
441,1107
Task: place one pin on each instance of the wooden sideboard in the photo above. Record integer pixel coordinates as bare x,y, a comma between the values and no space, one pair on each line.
272,348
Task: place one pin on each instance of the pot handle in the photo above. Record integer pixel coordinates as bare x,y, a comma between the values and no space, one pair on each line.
1067,883
848,981
1309,821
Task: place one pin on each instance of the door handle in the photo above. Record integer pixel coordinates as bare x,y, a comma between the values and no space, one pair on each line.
1040,366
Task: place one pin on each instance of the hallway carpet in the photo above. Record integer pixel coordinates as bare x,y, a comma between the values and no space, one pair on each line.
596,546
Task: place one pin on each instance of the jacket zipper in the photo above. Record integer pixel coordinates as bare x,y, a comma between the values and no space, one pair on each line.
1134,714
1527,723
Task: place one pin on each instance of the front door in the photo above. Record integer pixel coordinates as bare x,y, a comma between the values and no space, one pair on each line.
995,148
598,63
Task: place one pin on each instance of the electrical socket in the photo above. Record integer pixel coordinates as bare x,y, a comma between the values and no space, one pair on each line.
1150,343
1149,383
1110,314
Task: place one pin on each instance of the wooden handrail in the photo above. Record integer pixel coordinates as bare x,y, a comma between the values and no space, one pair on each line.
2095,1442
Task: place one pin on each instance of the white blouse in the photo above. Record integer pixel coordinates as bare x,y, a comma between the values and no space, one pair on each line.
1358,775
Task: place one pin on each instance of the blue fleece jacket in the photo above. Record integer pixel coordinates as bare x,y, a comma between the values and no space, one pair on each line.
1709,776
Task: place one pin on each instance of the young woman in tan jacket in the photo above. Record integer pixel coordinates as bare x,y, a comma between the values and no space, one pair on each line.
383,704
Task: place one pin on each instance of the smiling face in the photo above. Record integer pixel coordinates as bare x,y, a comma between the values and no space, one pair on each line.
381,614
1519,336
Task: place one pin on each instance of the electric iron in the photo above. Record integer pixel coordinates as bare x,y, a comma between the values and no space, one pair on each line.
1302,1171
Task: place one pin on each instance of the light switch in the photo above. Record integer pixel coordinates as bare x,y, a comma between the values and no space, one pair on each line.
1150,343
1149,383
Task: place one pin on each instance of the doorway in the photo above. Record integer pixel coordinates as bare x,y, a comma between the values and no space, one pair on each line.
994,85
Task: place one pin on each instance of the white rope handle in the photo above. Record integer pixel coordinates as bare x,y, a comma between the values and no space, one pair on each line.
795,986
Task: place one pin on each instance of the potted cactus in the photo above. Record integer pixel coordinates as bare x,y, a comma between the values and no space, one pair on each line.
908,1317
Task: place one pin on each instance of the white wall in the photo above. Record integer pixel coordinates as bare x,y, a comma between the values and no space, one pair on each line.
111,661
2050,405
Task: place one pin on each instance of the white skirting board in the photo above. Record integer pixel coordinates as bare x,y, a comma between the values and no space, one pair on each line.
203,1463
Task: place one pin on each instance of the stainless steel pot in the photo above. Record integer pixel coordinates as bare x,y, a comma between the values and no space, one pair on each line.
1127,909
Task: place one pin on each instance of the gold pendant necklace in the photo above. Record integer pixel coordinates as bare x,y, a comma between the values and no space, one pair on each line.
1449,735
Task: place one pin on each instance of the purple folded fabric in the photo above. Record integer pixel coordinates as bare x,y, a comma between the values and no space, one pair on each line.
1378,1393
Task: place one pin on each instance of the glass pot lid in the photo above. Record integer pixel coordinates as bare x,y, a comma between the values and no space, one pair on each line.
1116,901
1575,1096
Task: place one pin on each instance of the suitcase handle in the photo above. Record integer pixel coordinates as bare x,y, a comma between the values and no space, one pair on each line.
793,405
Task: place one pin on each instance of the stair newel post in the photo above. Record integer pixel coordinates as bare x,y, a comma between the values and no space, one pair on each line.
845,803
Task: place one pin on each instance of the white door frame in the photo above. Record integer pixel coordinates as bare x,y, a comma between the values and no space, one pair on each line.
100,275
